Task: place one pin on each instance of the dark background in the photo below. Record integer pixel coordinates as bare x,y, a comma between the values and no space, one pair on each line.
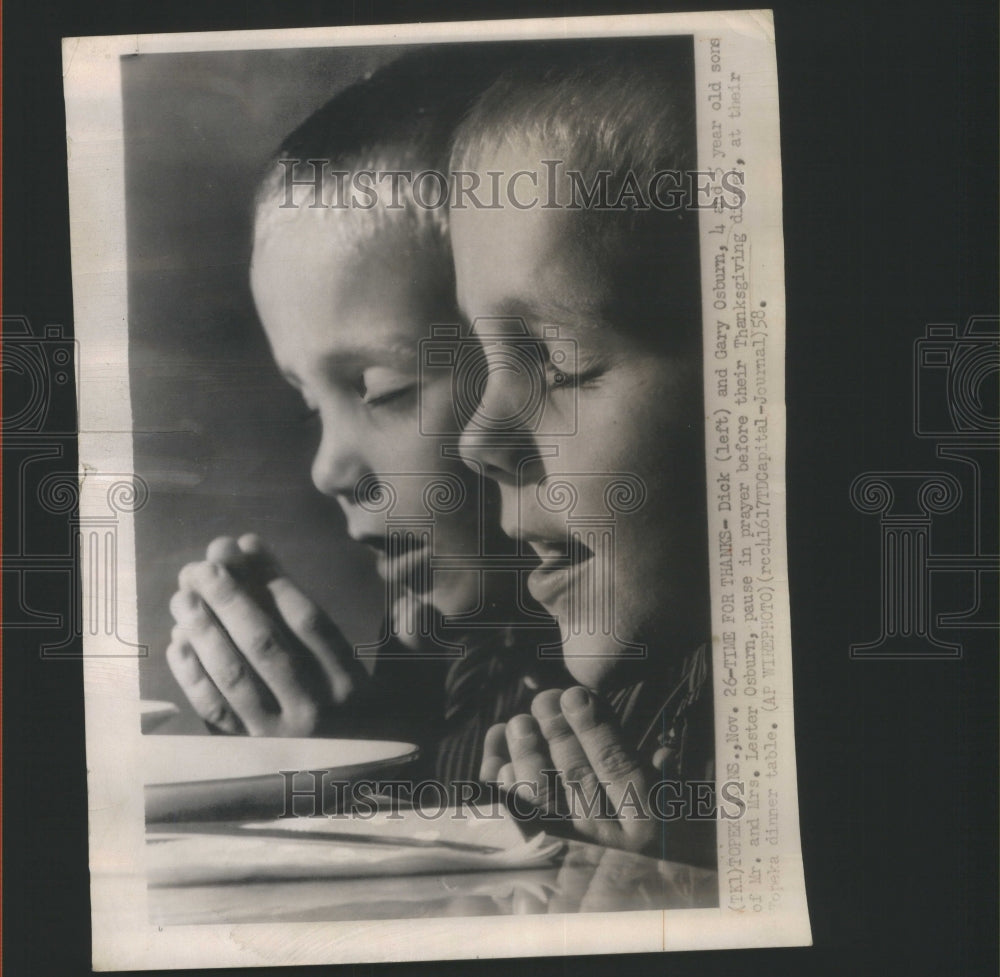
889,155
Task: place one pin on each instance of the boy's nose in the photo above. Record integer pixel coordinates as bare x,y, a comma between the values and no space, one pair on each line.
499,457
338,465
499,435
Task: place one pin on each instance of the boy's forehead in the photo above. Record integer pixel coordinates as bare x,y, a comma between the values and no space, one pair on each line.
313,260
314,294
325,235
508,258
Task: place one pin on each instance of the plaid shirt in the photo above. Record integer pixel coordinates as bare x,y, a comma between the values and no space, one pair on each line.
447,706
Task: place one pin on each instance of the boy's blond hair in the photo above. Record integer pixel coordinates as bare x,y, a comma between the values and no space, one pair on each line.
623,106
400,118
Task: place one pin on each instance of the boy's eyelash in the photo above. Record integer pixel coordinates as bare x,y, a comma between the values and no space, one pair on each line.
308,414
589,368
389,396
565,378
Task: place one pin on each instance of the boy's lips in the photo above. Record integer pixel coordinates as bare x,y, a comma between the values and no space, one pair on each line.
410,568
562,566
401,560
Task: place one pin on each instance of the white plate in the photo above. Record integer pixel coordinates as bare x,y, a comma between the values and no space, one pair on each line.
236,777
195,759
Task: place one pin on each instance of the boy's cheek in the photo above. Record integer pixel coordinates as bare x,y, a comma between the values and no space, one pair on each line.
437,413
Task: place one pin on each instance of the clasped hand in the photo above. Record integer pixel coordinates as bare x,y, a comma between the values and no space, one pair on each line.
569,759
252,653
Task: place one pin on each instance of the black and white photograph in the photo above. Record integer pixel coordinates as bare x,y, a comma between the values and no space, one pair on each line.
456,414
499,488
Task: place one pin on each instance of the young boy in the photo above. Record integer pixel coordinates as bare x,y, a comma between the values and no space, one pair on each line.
604,261
350,270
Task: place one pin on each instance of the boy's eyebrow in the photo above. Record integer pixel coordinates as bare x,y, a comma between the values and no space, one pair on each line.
400,351
358,354
550,311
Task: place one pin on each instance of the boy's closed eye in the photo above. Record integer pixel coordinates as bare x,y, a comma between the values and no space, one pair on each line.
380,385
572,368
588,377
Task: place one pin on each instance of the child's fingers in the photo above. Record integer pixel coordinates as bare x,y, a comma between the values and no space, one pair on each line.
251,565
614,763
307,621
506,777
495,753
581,784
252,545
229,671
260,639
248,561
258,560
304,618
530,758
200,690
224,550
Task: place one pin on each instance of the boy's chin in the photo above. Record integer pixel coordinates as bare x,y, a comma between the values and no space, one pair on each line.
454,593
599,662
